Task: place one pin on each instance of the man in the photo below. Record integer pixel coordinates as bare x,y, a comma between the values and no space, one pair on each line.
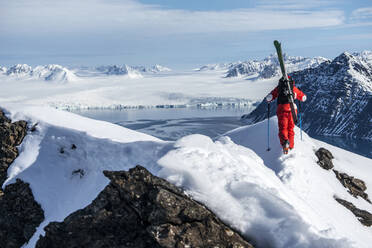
285,119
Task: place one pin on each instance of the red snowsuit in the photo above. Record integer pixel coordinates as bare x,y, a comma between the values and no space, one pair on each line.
285,119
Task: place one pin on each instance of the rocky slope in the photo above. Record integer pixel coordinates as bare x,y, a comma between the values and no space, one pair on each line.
138,209
20,214
339,98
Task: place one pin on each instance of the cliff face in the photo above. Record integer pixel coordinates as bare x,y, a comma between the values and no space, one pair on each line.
138,209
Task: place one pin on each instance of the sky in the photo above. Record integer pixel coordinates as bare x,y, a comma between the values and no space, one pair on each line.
178,34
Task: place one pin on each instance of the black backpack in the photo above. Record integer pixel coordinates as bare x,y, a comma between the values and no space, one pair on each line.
283,91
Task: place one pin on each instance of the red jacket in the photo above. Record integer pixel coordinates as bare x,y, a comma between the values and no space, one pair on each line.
298,94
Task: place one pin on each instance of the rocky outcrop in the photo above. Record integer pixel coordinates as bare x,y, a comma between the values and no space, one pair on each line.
138,210
324,158
11,135
20,215
363,216
355,186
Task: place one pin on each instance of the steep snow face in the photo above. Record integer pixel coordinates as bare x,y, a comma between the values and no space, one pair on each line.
311,189
55,73
269,67
279,201
339,97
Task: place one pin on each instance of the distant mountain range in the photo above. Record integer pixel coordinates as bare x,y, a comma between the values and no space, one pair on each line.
263,69
58,73
339,97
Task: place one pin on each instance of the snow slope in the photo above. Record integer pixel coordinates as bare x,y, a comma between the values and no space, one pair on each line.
276,200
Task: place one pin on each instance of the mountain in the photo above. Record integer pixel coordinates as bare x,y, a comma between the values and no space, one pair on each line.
119,70
153,69
56,73
216,67
271,199
339,97
269,67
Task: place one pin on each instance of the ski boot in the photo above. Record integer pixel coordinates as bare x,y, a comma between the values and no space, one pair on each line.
286,147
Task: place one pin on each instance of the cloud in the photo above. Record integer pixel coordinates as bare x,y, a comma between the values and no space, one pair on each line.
131,17
361,14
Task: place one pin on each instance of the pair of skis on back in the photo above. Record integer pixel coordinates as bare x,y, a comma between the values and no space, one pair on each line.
278,48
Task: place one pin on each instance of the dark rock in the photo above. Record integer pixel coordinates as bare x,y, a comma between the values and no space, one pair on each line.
324,158
363,216
33,128
11,135
355,186
73,147
79,172
20,215
138,210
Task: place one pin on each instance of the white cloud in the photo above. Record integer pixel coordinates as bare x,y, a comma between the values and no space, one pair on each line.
129,16
361,14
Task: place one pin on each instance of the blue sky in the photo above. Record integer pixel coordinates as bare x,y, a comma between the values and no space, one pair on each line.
178,34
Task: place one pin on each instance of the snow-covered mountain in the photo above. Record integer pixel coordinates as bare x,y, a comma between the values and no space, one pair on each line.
119,70
339,97
216,67
269,67
50,72
274,200
153,69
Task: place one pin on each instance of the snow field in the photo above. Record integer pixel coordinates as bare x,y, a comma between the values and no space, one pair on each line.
275,200
174,89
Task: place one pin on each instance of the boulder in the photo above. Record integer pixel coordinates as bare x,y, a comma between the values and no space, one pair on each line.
324,158
139,210
355,186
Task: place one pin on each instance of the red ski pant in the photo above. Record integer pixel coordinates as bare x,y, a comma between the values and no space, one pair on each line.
286,125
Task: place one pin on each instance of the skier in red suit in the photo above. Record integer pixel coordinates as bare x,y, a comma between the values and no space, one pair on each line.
285,119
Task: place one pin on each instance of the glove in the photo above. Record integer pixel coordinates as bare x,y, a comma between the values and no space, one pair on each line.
269,98
304,98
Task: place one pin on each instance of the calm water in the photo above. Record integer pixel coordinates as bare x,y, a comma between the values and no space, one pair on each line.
174,123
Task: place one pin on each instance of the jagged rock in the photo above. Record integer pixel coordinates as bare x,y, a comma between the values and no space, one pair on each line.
356,186
363,216
138,210
20,215
11,135
324,158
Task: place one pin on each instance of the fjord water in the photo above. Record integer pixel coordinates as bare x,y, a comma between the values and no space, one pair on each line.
174,123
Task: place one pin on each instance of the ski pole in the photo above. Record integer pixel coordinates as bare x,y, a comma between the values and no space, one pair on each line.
268,127
300,115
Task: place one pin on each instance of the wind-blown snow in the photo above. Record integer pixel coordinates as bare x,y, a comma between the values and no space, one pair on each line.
278,200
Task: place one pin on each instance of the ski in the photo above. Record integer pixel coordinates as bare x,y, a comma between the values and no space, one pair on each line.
285,76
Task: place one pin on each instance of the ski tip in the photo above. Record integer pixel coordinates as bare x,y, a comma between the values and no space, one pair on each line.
276,42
